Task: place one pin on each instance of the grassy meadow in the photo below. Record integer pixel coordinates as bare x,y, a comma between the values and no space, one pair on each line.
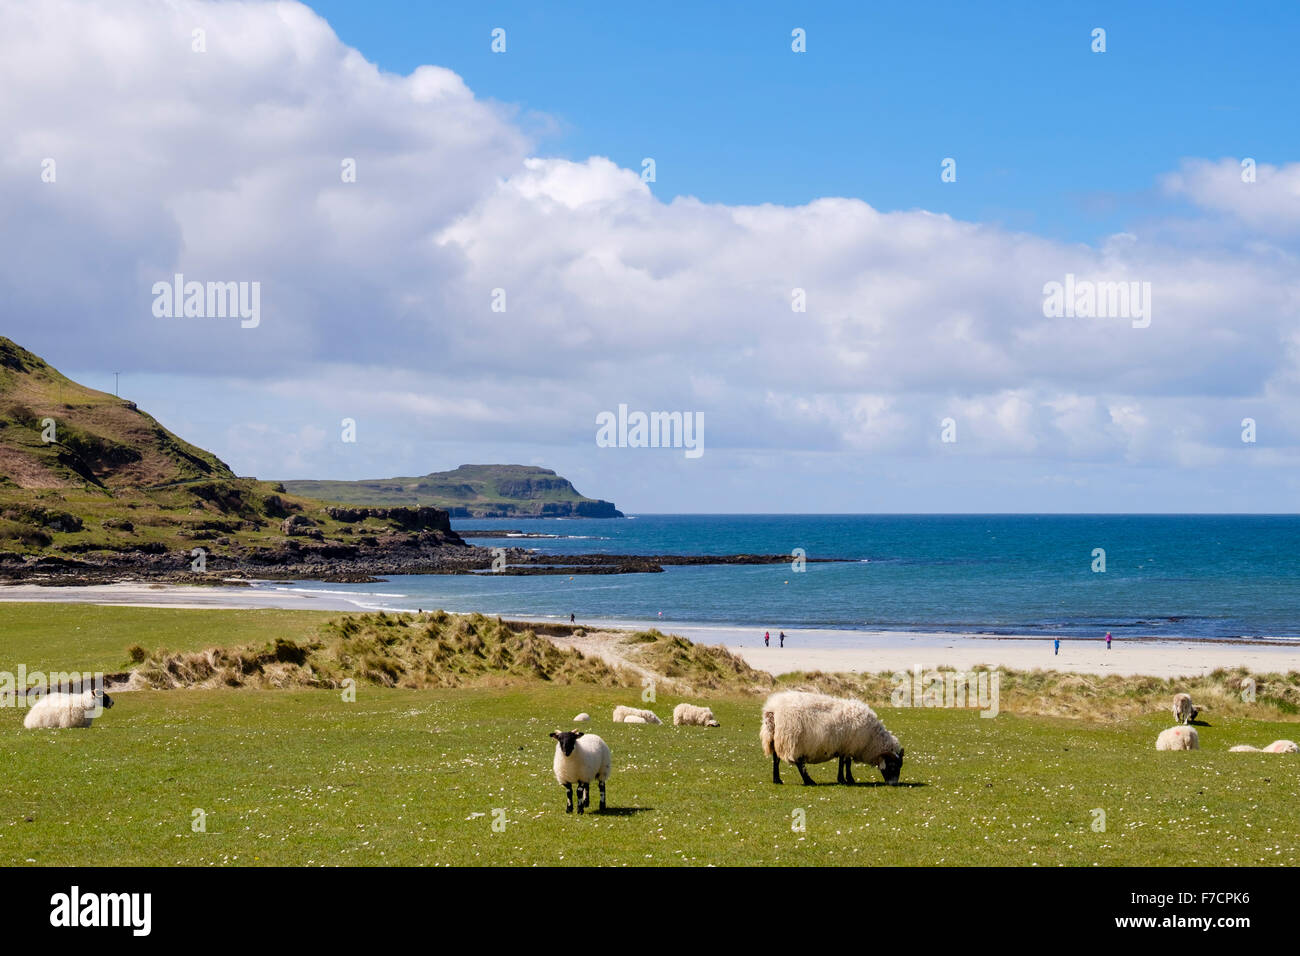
462,775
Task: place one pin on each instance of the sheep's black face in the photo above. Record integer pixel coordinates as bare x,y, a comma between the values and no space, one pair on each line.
567,739
891,766
108,701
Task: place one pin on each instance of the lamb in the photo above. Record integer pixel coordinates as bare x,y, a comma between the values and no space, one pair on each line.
1276,747
621,714
582,718
803,728
692,714
67,710
580,758
1184,712
1178,738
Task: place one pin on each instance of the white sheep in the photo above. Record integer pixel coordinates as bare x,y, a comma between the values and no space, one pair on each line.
1276,747
1184,712
692,714
580,758
634,719
1178,738
582,718
67,710
622,713
805,728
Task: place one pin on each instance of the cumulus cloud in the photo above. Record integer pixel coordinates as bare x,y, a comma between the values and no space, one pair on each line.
377,295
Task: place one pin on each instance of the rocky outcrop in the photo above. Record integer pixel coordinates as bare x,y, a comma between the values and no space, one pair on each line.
406,519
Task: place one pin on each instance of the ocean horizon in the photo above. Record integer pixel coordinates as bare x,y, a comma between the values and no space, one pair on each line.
1211,577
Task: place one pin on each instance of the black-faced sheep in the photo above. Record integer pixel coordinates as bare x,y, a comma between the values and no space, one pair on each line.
1178,738
1184,712
66,710
803,728
621,715
580,758
694,715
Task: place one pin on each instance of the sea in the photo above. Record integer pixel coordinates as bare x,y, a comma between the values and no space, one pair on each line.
1192,577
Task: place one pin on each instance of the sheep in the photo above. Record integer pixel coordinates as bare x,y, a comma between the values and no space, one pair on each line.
805,728
691,714
582,718
621,714
67,710
634,719
580,758
1178,738
1276,747
1184,712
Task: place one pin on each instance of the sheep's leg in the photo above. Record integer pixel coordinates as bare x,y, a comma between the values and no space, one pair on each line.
582,796
568,798
848,772
776,769
807,780
839,771
602,796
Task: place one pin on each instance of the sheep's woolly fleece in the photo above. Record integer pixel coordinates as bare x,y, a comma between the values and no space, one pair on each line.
1183,710
1178,738
621,715
1276,747
817,727
589,761
65,710
582,718
694,715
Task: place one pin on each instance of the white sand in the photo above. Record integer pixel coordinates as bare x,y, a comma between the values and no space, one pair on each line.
176,596
805,650
894,651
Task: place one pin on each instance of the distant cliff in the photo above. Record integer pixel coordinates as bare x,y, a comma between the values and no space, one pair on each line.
470,491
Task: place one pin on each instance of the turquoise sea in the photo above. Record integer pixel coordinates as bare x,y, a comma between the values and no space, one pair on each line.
1185,576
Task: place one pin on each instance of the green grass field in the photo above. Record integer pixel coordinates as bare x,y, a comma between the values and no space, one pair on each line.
301,777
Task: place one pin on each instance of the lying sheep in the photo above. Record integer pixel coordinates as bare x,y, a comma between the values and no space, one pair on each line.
580,758
803,728
692,714
582,718
1178,738
67,710
1184,712
1276,747
622,713
634,719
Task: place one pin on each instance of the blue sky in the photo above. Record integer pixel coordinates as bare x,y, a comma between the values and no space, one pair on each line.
1049,136
211,138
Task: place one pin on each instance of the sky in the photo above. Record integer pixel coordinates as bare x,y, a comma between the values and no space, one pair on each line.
841,264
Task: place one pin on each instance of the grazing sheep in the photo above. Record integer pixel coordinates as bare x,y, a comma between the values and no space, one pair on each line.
1178,738
805,728
1276,747
582,718
580,758
66,710
692,714
1184,712
622,713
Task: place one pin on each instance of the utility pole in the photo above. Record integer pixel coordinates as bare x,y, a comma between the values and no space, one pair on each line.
115,391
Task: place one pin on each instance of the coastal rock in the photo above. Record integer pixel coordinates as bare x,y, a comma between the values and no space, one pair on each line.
296,525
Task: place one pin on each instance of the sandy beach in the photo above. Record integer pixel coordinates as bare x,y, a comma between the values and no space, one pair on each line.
805,650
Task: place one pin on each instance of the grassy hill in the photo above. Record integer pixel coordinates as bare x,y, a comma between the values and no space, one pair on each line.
88,480
470,491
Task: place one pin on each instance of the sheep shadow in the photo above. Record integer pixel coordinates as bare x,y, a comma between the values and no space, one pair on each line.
875,783
621,811
1201,723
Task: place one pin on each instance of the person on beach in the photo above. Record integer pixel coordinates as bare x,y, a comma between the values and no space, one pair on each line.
1056,646
1108,640
572,619
767,638
783,638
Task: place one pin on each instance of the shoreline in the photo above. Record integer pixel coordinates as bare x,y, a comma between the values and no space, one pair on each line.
806,649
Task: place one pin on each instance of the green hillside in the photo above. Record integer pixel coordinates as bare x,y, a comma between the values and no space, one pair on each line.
470,491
